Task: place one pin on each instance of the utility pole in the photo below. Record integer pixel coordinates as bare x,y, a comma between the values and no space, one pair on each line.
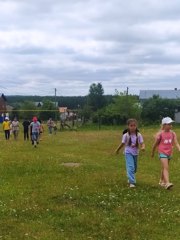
55,90
127,91
55,96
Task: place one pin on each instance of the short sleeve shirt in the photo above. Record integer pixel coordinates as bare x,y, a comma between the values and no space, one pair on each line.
15,125
132,149
35,127
166,140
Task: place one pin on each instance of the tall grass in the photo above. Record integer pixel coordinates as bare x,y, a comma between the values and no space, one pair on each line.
43,199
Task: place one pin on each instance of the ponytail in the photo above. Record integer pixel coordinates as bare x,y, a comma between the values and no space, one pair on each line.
130,141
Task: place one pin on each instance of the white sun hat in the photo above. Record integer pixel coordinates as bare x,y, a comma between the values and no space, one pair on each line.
167,120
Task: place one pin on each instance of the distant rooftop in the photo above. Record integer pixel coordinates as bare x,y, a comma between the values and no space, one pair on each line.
4,98
166,94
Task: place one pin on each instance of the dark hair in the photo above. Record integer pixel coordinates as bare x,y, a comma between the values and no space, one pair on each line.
132,120
129,121
126,130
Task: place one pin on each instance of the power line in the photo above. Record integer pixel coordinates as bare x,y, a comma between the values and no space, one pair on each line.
29,110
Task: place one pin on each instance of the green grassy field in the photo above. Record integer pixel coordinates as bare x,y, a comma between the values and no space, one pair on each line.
43,199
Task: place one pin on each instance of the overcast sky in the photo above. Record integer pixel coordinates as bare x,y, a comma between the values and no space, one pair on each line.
70,44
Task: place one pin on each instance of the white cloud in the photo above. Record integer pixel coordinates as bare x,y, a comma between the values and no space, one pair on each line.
70,44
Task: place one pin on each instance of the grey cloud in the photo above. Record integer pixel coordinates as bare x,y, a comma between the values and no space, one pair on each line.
75,43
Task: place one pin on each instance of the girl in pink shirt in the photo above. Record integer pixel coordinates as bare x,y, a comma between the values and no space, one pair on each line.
165,139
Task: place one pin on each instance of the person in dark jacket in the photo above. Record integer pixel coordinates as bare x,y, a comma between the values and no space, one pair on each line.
26,124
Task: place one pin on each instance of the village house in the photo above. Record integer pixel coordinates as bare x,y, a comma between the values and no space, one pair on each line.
3,107
164,94
3,103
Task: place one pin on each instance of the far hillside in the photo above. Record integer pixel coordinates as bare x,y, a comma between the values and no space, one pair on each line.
72,102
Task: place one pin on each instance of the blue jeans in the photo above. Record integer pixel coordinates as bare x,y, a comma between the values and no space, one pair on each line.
35,136
50,130
131,167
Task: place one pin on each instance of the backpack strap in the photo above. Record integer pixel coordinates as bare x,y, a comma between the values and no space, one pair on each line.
127,137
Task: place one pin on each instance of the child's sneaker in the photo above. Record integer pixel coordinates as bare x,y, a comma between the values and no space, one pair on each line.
168,185
131,185
162,184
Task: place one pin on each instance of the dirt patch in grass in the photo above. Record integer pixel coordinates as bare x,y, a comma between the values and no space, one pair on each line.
71,164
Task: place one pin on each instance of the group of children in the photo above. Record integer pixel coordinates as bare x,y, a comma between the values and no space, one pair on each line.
11,127
164,141
131,140
34,127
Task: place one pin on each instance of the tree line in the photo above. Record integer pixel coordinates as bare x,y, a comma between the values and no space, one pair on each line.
97,107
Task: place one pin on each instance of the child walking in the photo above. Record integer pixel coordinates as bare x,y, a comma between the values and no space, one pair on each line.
35,128
15,128
131,140
26,124
165,139
6,127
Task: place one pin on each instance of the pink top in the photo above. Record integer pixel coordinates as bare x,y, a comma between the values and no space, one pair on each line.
166,140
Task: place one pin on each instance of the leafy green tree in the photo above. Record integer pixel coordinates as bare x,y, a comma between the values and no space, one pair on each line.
96,99
155,108
48,110
15,111
124,107
28,110
85,113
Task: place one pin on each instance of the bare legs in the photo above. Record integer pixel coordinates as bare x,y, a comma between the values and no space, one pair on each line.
164,170
164,179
